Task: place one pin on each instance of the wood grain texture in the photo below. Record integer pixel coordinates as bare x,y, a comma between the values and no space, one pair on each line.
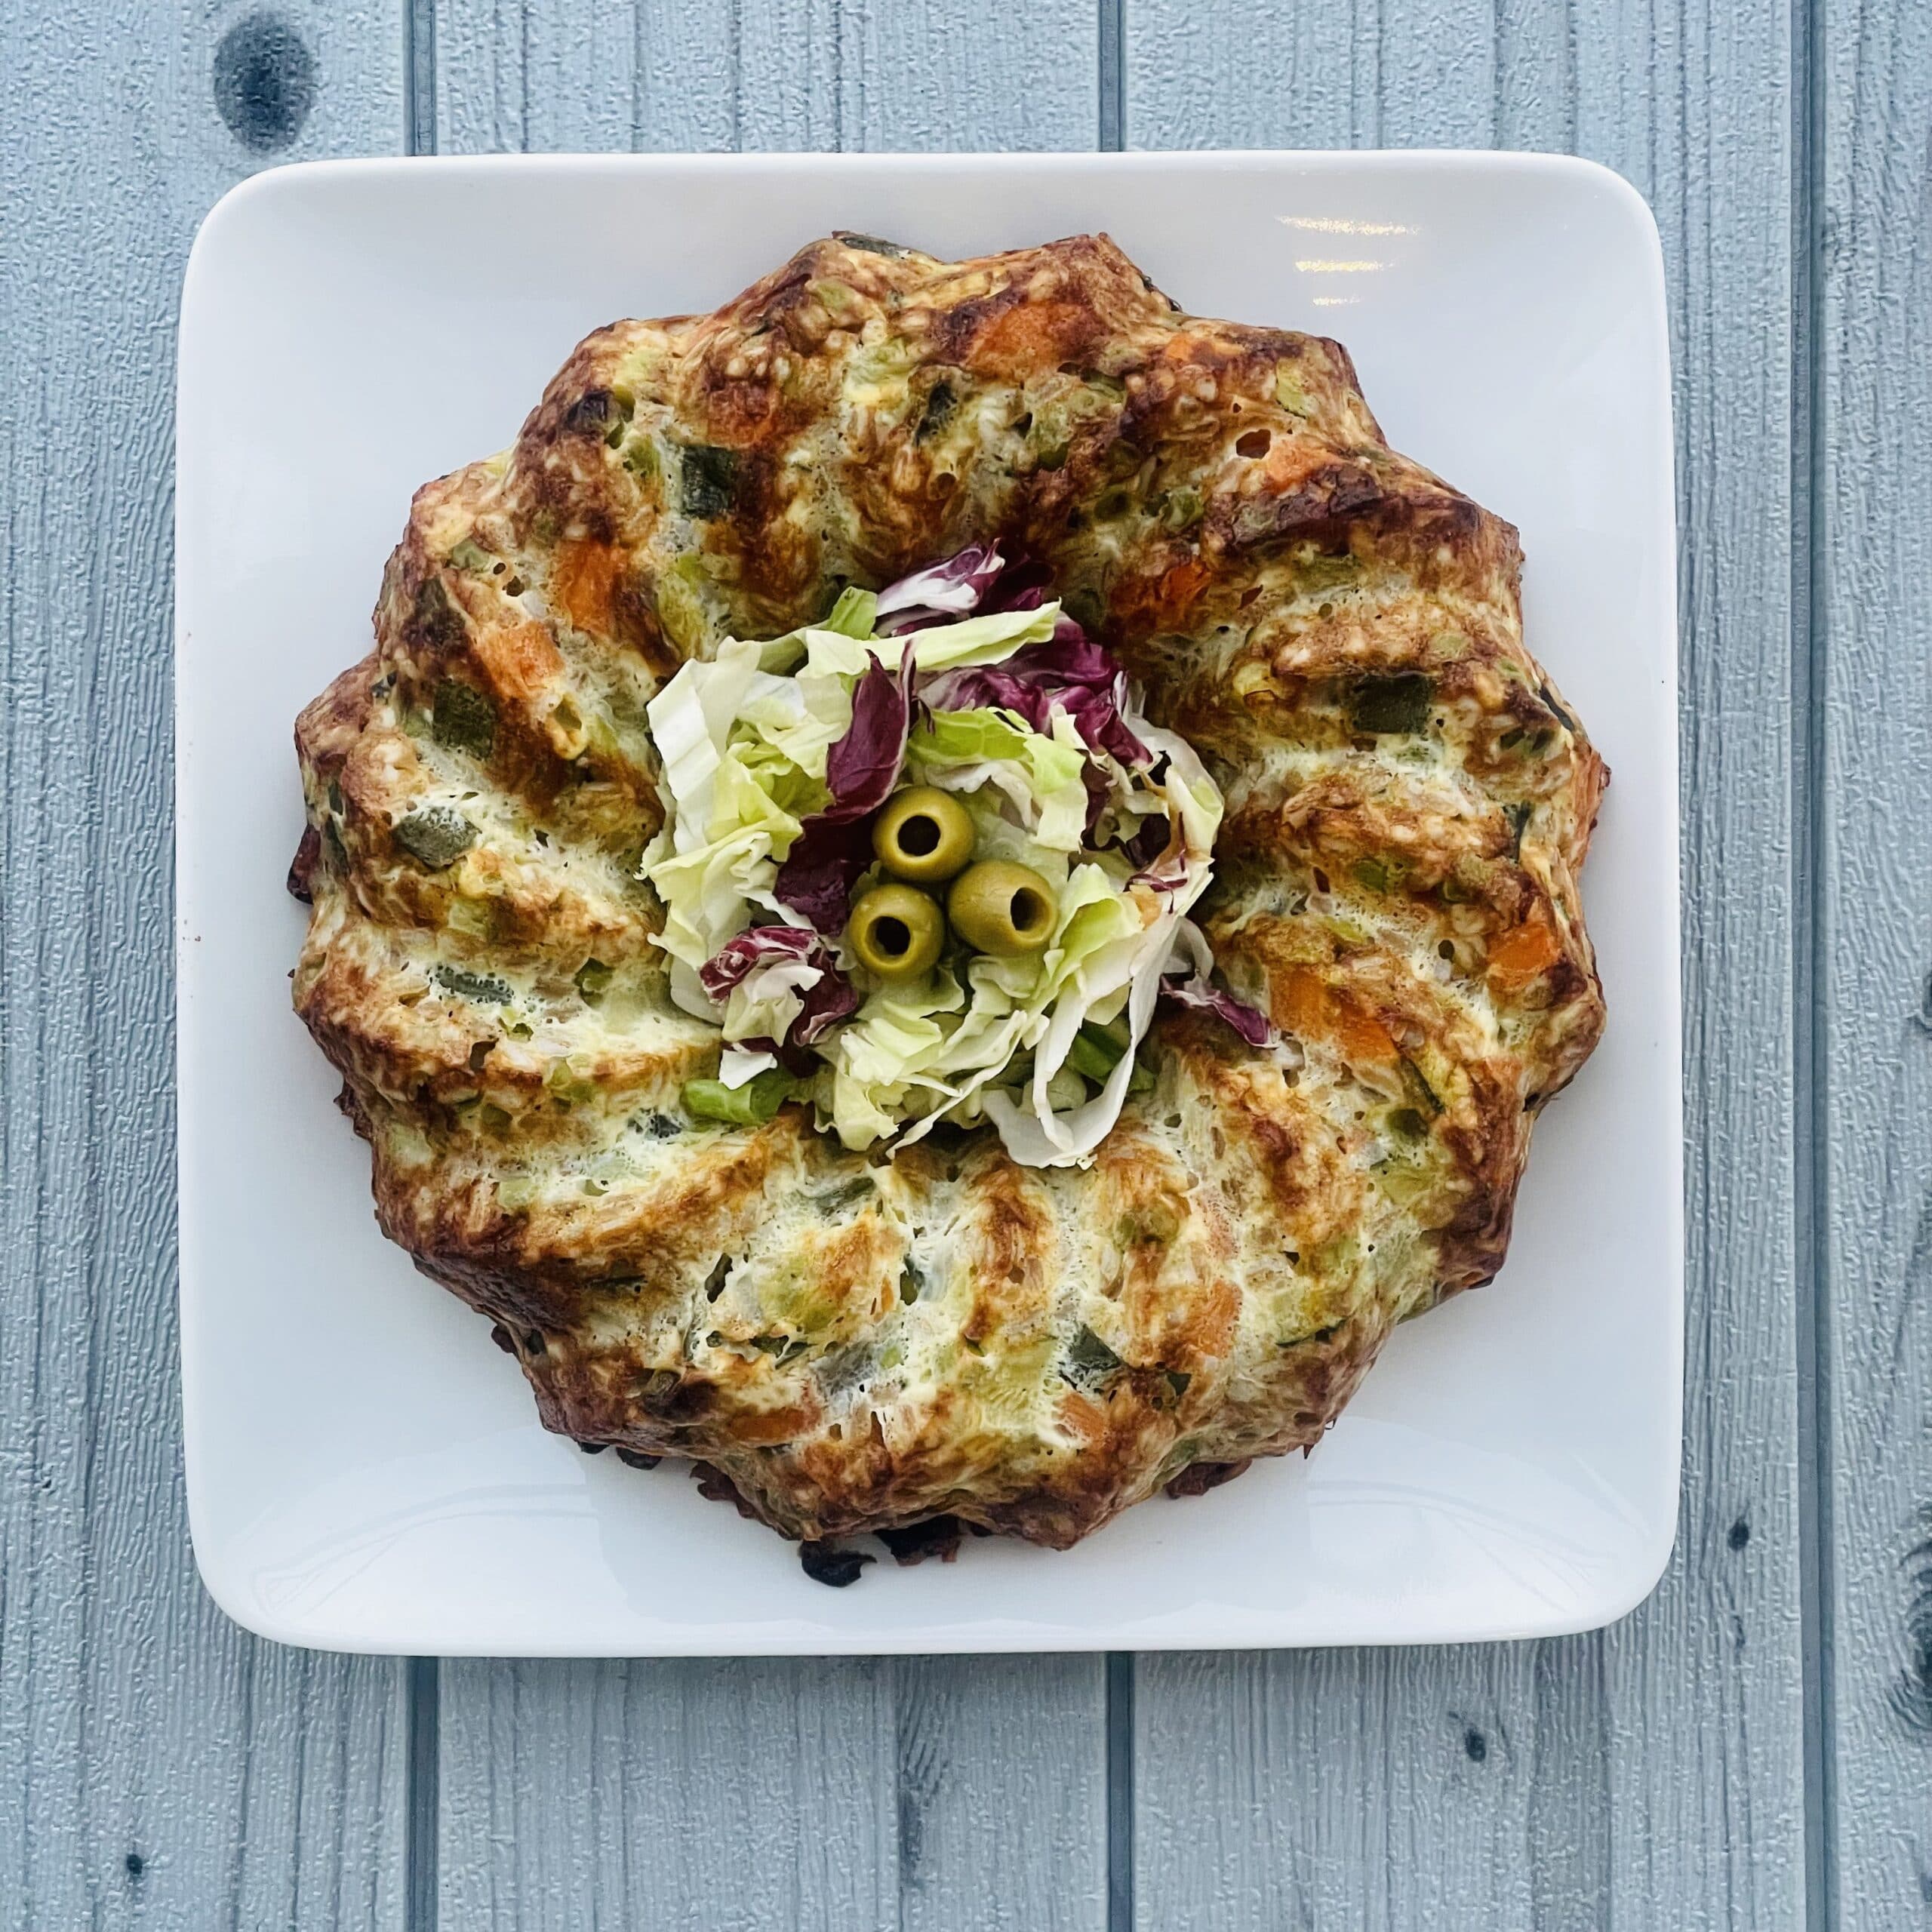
708,1797
157,1767
1652,1775
1875,1041
800,74
961,1793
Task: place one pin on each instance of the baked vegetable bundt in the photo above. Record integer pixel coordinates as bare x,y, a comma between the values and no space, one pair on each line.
948,891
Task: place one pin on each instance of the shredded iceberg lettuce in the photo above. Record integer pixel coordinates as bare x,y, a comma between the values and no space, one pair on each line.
962,751
775,757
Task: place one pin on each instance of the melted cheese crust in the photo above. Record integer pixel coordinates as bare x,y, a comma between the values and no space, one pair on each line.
855,1346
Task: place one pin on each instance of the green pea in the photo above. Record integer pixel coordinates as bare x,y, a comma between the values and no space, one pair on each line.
897,932
923,835
1002,908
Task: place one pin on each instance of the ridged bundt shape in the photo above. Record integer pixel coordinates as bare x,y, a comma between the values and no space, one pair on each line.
858,1346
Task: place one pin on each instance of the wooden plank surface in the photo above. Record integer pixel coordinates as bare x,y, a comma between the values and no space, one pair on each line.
707,1797
1875,1039
961,1793
789,75
157,1767
1651,1776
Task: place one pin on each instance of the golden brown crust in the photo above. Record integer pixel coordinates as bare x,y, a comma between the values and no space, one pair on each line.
1409,800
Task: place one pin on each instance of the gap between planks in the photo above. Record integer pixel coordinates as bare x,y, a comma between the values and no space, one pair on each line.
421,1901
1811,1125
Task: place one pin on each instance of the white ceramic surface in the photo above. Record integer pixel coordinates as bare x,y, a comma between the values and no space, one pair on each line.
366,1470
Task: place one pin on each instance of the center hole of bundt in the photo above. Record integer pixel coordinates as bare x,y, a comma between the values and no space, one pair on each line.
919,835
892,937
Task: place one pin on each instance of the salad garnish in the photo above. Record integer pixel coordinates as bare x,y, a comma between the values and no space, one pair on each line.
929,860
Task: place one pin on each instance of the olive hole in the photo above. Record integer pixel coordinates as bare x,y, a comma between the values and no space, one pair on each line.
1255,443
892,937
1028,910
919,835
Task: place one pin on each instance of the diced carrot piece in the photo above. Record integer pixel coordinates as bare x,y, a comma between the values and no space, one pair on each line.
583,576
1304,1005
1028,338
1520,955
1180,585
520,659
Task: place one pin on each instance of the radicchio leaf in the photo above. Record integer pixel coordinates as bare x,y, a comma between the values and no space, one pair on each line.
816,879
833,997
829,998
1159,851
862,767
1145,849
835,846
1202,994
1023,585
940,592
1099,792
1069,672
758,946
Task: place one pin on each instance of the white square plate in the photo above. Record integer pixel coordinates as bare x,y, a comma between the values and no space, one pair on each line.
366,1470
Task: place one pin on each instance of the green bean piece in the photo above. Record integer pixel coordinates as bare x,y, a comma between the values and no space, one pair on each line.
757,1100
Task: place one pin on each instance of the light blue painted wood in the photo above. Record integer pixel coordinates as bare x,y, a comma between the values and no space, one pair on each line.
690,1797
1653,1775
157,1767
1875,961
802,75
958,1794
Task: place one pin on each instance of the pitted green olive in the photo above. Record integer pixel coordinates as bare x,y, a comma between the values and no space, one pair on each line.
896,931
1002,908
924,834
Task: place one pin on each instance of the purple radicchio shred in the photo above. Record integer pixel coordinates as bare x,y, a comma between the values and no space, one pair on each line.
1206,997
1168,873
1148,843
829,998
862,767
1099,790
816,879
796,1060
758,946
1167,870
835,846
940,593
1023,585
1070,673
